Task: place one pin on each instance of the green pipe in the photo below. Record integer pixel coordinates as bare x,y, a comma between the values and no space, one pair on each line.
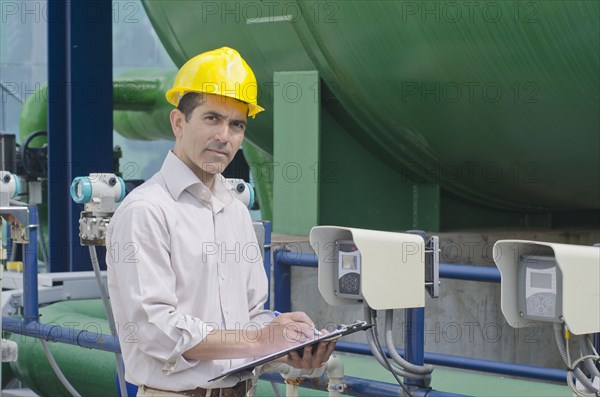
135,95
141,112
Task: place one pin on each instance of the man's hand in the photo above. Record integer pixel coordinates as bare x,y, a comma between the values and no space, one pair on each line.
311,358
286,330
290,329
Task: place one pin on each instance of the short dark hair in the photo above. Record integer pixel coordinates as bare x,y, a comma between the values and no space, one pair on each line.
189,102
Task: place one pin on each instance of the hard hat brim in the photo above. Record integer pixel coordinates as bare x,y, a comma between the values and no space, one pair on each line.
174,95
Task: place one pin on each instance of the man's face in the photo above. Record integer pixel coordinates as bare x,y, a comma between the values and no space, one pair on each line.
209,140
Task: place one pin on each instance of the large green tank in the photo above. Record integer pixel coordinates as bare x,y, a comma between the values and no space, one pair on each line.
496,102
432,115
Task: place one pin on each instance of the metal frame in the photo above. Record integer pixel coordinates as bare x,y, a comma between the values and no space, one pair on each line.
282,269
52,287
30,326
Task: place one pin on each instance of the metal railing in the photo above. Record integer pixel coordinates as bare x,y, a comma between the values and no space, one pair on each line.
284,260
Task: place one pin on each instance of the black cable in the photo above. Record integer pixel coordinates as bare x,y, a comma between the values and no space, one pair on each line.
387,362
25,152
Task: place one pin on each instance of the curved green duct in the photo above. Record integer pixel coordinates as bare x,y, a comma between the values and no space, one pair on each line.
141,112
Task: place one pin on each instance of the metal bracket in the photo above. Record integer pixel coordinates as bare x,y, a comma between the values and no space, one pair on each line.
432,266
18,219
52,287
92,228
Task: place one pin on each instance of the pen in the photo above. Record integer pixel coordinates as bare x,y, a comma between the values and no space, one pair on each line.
316,331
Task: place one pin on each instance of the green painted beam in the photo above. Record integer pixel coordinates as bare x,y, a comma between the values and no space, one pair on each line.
296,152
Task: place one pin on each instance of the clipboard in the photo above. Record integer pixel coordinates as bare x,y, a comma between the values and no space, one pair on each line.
341,330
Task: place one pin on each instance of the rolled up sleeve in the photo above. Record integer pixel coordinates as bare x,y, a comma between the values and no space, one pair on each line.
142,286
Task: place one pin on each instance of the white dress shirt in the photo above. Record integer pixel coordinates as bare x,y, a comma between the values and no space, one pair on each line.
182,261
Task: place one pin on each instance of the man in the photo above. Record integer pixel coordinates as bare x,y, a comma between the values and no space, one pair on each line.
185,275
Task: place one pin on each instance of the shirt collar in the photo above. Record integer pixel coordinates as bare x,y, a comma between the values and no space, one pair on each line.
178,177
222,194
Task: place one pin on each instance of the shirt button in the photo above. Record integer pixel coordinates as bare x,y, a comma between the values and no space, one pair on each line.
223,277
226,311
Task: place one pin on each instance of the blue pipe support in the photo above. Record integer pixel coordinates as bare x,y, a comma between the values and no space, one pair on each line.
476,364
470,273
56,333
447,270
267,259
79,99
414,329
283,282
30,269
283,260
289,258
59,209
9,246
360,387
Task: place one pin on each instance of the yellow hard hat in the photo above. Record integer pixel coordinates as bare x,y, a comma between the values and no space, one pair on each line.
221,72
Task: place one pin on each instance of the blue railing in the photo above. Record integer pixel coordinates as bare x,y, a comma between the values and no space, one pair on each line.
284,260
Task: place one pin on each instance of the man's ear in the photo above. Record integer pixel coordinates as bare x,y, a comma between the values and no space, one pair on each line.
177,119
